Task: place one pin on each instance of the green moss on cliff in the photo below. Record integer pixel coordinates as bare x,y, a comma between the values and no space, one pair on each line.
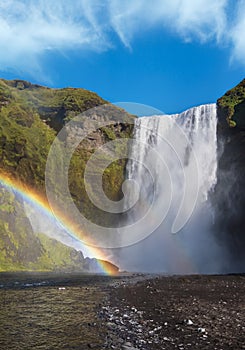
232,105
18,245
54,106
21,249
57,256
30,118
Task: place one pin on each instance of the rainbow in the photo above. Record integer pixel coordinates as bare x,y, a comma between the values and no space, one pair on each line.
41,204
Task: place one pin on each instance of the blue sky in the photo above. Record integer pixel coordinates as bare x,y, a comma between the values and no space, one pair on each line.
169,54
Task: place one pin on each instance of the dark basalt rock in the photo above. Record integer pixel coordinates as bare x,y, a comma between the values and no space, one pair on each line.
229,193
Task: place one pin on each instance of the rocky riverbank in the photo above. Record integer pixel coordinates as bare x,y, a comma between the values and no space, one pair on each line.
187,312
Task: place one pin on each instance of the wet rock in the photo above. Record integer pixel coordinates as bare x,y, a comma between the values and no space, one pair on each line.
201,330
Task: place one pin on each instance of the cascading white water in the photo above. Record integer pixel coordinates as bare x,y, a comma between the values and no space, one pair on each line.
185,151
199,126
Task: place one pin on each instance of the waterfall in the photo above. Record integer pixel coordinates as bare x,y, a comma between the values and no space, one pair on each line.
173,160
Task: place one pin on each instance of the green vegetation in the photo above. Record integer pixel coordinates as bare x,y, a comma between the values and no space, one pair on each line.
18,245
31,115
232,104
54,106
57,256
21,249
30,118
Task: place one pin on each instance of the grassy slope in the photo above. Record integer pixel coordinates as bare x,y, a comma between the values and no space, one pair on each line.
21,249
30,117
29,121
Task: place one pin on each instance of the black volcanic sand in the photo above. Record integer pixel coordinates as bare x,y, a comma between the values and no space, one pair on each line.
190,312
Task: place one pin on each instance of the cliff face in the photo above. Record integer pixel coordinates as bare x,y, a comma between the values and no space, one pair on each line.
22,249
30,118
231,107
229,193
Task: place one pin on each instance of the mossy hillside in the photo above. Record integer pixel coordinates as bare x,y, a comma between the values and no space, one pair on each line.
18,245
54,106
57,257
24,150
31,116
112,176
23,250
24,138
232,106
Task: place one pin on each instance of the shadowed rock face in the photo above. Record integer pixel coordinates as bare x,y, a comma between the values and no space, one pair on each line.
239,115
229,193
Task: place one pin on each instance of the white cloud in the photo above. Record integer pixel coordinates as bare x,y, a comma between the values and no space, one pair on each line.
31,28
201,19
237,33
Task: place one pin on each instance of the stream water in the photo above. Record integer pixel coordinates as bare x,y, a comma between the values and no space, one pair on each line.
50,311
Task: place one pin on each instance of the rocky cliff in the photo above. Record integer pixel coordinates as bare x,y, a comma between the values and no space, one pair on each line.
30,118
22,249
229,193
